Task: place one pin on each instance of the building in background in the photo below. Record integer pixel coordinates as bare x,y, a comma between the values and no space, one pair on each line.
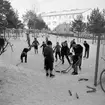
60,21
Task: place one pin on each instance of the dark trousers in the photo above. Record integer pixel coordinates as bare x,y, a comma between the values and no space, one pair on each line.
75,67
86,53
43,51
0,48
66,58
57,54
44,64
48,65
23,56
36,49
80,61
75,64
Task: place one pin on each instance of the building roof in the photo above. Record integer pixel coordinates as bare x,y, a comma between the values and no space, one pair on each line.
65,12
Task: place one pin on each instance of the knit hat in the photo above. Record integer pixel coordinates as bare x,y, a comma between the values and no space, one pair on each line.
49,43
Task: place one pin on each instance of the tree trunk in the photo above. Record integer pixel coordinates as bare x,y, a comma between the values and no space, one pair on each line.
97,61
102,39
16,34
4,34
93,39
8,34
78,37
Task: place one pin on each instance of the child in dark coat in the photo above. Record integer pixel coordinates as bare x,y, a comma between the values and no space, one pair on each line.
86,45
65,52
43,47
78,51
35,44
49,59
57,51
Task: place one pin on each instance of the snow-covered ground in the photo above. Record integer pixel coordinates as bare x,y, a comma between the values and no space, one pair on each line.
27,84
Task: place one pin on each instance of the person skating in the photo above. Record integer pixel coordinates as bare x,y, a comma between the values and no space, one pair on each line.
78,51
49,59
28,39
65,52
86,45
57,51
46,40
35,45
43,47
72,42
24,54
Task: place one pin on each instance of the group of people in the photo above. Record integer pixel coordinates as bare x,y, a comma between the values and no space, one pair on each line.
60,51
64,51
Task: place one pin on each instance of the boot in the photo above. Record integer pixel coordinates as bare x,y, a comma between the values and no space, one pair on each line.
52,75
47,74
74,73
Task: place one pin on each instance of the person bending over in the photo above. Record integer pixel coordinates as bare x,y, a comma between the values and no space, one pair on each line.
65,52
43,47
24,54
78,51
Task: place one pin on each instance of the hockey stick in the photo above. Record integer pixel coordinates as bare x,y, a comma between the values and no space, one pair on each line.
103,58
61,71
11,45
91,89
67,70
81,79
18,64
77,96
70,92
70,66
58,63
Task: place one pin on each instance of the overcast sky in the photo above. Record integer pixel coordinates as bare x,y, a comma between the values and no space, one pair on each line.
55,5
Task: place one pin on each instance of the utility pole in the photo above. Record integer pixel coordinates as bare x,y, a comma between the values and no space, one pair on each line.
97,60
